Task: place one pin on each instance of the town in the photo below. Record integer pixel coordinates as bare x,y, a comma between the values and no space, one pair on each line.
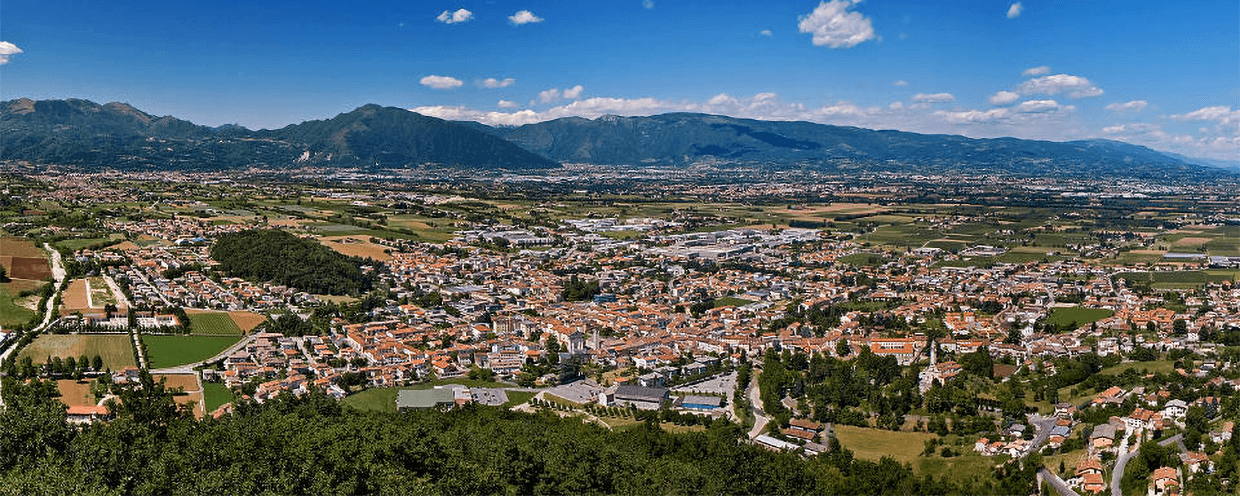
1094,333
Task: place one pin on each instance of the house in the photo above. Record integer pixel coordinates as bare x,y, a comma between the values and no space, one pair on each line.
1196,461
1165,480
805,425
87,414
1089,476
1175,409
1065,410
1103,436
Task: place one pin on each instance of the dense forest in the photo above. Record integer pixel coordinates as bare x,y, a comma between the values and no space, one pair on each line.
272,255
313,445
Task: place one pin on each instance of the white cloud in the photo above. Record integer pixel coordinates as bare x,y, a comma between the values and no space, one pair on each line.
1073,86
648,4
508,104
548,96
766,32
441,82
834,26
523,17
1135,106
1014,10
1004,98
973,116
461,15
498,83
1036,71
7,50
573,93
900,83
1041,106
1219,114
934,98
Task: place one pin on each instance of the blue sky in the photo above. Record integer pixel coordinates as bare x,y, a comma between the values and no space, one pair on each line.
1162,74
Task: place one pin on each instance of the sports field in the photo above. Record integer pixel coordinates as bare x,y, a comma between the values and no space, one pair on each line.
171,351
115,349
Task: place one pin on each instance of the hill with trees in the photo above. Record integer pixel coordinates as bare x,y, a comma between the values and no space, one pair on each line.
275,256
313,445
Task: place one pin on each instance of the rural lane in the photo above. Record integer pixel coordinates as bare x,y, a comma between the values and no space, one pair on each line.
1120,463
755,402
58,273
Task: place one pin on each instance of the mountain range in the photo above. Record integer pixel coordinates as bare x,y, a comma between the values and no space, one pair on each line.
115,135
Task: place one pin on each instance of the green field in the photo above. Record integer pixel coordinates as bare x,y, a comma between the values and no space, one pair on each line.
968,467
731,301
115,349
171,351
77,244
1177,278
873,444
10,312
1148,367
214,395
384,399
1064,316
213,324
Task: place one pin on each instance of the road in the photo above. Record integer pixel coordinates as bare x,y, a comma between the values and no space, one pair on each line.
755,403
1060,486
1122,461
1043,426
58,273
121,300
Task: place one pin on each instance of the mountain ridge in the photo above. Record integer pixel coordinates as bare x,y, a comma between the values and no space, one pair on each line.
82,133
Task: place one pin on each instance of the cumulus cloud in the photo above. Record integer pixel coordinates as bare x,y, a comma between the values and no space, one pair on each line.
648,4
973,116
441,82
766,32
1004,98
449,17
834,26
1219,114
900,83
1134,106
7,50
1036,71
508,104
548,96
523,17
573,93
1014,10
1073,86
934,98
498,83
1041,106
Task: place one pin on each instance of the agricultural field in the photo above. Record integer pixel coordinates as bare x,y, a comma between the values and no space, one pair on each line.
357,246
213,324
23,260
115,349
189,384
74,298
171,351
247,321
76,393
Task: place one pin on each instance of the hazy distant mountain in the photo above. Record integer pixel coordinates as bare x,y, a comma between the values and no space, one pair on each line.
683,138
116,135
389,135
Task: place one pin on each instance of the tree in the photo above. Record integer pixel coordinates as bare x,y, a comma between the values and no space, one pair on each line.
842,349
1180,327
4,274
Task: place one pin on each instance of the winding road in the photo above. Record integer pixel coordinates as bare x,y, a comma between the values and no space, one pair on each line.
1122,461
1060,486
58,273
755,401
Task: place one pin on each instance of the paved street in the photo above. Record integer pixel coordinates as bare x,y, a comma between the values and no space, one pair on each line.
1060,486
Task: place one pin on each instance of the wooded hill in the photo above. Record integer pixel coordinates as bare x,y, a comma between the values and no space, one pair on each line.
275,256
